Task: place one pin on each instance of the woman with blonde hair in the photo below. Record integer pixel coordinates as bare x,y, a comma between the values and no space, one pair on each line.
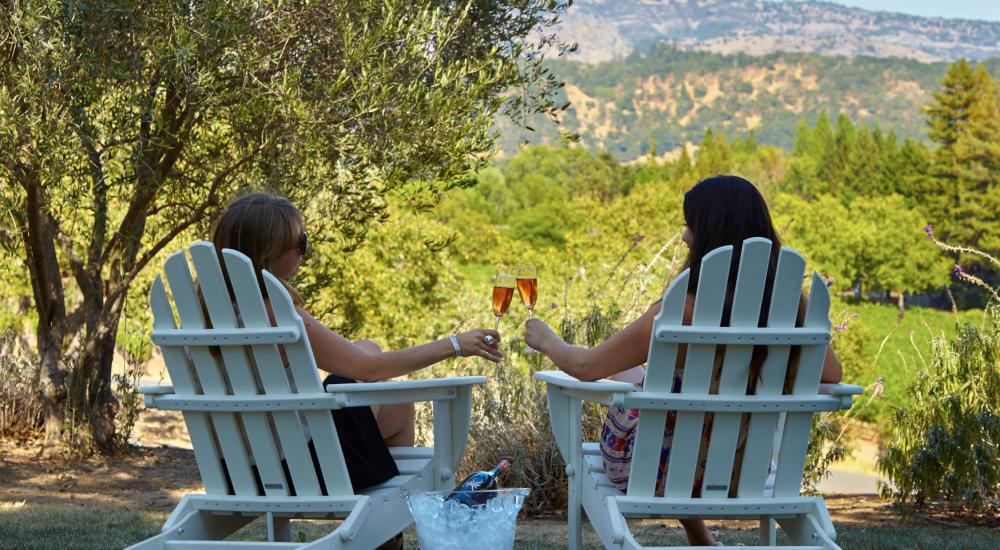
270,231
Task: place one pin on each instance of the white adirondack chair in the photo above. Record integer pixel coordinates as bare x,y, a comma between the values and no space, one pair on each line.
779,424
245,412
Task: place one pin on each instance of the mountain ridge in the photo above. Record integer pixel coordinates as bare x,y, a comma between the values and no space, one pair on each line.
667,98
612,29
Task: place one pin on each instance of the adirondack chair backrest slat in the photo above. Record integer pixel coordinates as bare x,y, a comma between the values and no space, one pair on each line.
710,298
182,375
302,365
227,426
270,369
795,435
241,374
747,298
785,298
766,439
659,378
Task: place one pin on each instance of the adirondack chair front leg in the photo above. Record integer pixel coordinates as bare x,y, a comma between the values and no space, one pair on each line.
279,529
565,414
807,531
768,531
451,432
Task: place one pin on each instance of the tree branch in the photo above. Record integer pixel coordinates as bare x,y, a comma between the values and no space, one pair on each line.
79,271
211,200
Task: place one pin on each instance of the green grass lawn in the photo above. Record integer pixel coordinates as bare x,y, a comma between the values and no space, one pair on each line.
82,527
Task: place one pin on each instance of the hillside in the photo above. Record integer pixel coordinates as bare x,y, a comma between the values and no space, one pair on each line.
672,96
607,29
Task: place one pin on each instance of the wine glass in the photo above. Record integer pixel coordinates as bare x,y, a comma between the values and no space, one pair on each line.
527,287
503,292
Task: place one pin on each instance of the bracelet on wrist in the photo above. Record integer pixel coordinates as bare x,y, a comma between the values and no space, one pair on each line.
454,344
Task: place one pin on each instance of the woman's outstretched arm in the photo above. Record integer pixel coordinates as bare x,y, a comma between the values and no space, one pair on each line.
625,349
338,355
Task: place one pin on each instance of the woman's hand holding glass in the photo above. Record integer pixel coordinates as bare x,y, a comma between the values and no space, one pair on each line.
537,334
482,342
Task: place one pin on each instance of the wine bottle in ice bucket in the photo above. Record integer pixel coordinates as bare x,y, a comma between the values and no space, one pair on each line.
473,490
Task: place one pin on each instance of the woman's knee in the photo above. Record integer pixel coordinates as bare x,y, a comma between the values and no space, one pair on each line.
369,346
396,424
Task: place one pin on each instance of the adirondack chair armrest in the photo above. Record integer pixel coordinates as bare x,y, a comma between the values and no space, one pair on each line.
840,389
560,378
156,390
845,392
605,392
150,392
404,391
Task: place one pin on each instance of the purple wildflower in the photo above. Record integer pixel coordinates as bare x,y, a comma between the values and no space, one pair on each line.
929,229
957,270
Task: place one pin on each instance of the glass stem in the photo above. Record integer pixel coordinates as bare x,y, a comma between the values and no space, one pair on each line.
497,327
531,313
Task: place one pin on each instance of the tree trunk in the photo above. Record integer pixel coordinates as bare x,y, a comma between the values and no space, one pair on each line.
46,284
52,387
901,304
102,404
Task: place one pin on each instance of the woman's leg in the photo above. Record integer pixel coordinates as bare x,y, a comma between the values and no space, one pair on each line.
395,422
697,533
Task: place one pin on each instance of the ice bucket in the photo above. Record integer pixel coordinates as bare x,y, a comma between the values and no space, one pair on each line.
446,524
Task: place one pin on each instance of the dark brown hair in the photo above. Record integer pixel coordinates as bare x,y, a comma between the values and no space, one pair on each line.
263,227
726,210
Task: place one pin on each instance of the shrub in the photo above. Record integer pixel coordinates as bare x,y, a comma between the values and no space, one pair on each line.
946,443
20,409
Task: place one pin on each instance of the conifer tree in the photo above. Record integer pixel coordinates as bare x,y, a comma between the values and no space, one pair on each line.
978,169
963,120
822,137
714,156
890,163
683,168
803,165
834,170
914,179
863,169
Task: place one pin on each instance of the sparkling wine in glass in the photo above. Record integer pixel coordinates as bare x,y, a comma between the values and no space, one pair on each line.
527,287
503,292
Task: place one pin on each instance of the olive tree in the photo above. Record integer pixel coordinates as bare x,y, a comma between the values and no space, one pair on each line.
125,123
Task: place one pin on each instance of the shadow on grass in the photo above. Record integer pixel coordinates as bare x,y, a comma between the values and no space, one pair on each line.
85,527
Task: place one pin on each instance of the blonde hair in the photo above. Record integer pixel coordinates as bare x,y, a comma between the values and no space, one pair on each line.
263,227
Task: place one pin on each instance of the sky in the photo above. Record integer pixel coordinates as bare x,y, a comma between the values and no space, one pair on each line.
962,9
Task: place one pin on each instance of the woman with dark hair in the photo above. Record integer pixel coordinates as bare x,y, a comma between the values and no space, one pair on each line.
718,211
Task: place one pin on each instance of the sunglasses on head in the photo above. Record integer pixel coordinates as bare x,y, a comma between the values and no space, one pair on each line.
303,244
